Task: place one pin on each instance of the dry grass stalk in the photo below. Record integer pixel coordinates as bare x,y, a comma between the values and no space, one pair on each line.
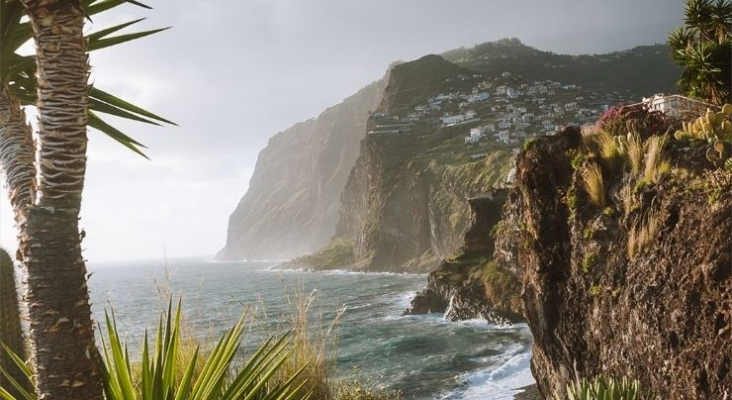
635,153
607,146
316,345
655,165
626,195
643,233
594,184
589,140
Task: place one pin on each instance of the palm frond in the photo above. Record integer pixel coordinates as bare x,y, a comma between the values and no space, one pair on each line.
18,387
215,380
18,72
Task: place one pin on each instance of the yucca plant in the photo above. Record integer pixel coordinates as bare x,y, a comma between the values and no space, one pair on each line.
45,176
217,380
156,377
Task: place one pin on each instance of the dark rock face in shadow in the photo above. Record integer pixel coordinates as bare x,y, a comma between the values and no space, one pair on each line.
603,297
455,288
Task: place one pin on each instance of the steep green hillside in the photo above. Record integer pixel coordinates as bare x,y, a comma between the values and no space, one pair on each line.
642,70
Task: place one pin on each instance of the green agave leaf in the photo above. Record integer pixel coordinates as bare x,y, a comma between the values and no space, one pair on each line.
106,108
17,386
110,381
5,395
146,375
105,32
119,103
120,359
96,7
171,356
250,380
96,123
214,381
23,368
102,43
19,71
27,371
157,372
185,385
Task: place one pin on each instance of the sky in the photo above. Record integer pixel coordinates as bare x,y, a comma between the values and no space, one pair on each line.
233,73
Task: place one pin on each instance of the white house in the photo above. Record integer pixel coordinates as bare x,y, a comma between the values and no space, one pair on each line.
475,135
482,96
452,119
470,114
674,105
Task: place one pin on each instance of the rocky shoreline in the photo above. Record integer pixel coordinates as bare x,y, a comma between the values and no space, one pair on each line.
530,392
473,284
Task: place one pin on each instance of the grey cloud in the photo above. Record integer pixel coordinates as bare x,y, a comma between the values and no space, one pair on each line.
233,73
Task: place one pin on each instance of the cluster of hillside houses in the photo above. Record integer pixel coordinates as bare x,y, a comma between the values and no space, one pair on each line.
505,111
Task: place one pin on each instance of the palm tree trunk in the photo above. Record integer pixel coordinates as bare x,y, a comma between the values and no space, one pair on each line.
17,155
61,329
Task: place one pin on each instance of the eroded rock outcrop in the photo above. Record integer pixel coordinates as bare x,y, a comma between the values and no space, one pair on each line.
472,284
404,203
640,287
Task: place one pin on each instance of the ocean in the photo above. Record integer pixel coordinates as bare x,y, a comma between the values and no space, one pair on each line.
425,357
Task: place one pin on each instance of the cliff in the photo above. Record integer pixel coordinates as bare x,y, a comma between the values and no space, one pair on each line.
291,206
406,207
473,284
630,276
395,199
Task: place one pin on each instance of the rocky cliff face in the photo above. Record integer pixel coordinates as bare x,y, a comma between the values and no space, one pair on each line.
405,200
291,206
407,211
401,198
640,286
472,284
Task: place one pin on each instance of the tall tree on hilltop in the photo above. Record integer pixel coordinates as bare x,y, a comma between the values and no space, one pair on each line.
46,195
703,48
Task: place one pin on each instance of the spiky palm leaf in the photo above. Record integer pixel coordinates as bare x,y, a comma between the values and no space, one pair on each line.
698,15
17,72
721,19
703,76
702,48
679,41
215,380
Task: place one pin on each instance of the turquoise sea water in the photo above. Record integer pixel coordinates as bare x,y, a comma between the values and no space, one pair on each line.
425,357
